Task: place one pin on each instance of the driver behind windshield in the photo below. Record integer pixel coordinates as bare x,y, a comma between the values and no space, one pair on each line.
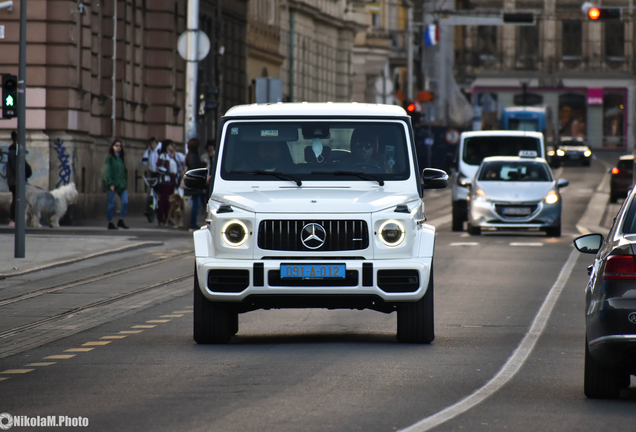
364,149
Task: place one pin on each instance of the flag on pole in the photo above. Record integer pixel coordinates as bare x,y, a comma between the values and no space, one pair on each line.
430,35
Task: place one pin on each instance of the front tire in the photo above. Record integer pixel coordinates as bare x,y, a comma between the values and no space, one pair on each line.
214,322
554,231
474,230
458,218
599,383
416,321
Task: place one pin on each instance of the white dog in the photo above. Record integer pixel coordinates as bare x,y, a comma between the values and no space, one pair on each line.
52,205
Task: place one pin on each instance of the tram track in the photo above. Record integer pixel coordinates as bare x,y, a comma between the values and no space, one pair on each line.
90,279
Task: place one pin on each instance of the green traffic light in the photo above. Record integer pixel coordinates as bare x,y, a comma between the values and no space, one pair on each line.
8,101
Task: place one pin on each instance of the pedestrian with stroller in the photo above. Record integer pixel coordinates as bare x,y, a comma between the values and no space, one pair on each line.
116,183
168,173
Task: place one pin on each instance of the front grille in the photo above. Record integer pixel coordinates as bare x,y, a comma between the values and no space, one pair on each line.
231,281
394,281
515,210
285,235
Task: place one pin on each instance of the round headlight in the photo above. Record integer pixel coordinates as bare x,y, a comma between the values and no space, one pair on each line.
234,233
392,233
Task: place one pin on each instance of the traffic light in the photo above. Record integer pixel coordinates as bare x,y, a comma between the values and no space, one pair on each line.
9,96
604,13
414,110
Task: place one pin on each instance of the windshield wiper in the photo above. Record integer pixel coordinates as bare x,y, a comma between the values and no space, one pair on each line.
278,174
361,175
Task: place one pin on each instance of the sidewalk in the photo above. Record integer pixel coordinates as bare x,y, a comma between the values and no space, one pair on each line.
49,247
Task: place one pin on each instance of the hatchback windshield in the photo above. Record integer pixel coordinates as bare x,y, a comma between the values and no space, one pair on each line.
478,148
515,171
315,150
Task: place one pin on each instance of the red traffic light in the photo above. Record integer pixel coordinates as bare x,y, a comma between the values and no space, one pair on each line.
594,13
411,107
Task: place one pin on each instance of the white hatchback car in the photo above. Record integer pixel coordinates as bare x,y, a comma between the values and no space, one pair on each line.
515,192
315,205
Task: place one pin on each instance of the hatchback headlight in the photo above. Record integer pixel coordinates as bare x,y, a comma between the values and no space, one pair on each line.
551,197
560,152
234,233
392,233
480,195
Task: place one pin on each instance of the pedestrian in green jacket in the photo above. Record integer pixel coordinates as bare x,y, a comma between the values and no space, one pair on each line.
116,182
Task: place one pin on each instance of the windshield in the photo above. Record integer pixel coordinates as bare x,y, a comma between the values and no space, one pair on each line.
515,171
478,148
524,125
315,150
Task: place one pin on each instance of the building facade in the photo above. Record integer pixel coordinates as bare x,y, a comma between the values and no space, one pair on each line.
583,69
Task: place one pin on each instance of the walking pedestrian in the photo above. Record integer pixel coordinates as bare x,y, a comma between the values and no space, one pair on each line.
116,183
193,161
167,169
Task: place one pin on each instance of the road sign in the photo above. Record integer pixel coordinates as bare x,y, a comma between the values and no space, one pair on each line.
204,45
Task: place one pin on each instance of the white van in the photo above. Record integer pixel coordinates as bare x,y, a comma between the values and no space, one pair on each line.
473,148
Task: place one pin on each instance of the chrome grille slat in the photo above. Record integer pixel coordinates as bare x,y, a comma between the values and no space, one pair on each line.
285,235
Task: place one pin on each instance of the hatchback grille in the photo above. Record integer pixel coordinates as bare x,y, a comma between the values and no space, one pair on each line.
285,235
515,210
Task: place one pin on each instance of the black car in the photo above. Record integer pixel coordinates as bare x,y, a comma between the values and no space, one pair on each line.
621,180
610,313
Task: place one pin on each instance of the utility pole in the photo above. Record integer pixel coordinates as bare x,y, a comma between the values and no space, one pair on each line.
192,71
21,147
409,51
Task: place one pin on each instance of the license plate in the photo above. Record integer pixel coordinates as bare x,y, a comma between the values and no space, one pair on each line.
516,211
312,271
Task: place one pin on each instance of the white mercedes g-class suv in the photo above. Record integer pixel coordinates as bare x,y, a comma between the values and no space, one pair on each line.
315,205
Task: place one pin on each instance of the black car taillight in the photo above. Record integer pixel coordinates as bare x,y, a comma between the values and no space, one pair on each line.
620,267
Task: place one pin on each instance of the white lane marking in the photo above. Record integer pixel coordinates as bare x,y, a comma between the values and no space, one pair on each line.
465,244
526,244
514,362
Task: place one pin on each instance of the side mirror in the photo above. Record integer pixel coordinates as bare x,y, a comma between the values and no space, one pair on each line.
561,183
465,183
196,178
589,243
433,178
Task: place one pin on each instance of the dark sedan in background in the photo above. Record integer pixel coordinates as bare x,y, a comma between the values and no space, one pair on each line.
574,150
621,180
610,297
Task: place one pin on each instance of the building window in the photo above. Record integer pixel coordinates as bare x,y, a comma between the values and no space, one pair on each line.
614,41
528,46
487,45
571,40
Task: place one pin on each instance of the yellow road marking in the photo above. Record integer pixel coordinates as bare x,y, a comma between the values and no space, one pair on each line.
113,337
60,357
79,350
170,316
2,379
16,371
131,331
157,321
143,326
41,364
182,312
98,343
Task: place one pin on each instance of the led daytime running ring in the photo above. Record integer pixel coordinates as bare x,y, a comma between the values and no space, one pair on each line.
227,240
400,227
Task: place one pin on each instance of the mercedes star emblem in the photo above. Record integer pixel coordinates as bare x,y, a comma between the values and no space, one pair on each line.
313,236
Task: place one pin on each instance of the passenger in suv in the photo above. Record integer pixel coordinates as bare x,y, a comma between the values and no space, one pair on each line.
321,232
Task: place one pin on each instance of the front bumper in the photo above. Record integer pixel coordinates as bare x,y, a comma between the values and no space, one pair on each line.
488,214
385,280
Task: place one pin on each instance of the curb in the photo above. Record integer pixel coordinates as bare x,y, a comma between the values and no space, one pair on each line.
132,246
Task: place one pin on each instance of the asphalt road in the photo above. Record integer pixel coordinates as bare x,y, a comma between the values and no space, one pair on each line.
508,353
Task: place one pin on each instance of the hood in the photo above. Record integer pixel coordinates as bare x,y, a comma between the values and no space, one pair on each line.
315,200
516,191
